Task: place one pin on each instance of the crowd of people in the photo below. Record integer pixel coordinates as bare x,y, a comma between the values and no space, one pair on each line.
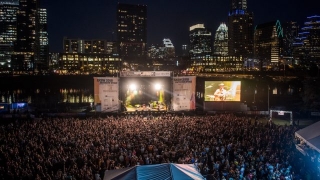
224,146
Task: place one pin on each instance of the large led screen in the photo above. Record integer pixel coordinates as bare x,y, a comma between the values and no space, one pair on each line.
222,90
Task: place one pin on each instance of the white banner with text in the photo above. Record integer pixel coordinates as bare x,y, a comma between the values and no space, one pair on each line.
184,93
106,93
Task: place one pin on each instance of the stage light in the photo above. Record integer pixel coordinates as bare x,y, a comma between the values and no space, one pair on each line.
157,86
133,87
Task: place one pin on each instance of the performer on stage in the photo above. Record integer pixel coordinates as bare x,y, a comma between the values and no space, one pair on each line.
220,94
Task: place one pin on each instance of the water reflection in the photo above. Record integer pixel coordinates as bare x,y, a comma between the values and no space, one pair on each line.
48,96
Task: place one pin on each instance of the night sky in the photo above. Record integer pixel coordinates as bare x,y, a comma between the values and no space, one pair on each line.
96,19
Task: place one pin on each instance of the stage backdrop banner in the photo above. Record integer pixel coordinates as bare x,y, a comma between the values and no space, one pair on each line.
106,93
184,93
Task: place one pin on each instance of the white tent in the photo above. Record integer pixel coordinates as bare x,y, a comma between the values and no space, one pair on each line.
311,135
156,172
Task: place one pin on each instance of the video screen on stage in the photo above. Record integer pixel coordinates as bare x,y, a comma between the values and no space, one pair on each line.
222,91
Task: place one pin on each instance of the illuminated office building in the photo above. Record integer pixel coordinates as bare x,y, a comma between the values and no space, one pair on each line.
31,50
290,32
169,50
154,51
96,46
42,47
96,56
185,50
239,4
240,30
306,47
132,32
163,51
268,43
89,63
8,32
221,41
27,31
200,41
200,48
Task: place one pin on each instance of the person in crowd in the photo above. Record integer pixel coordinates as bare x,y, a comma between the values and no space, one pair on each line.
222,146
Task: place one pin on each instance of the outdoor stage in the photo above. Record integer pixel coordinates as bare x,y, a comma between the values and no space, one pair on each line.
144,91
145,94
157,91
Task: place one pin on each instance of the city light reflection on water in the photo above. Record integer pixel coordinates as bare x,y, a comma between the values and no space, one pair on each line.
49,96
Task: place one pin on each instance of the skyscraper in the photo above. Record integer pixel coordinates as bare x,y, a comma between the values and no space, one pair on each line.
200,47
240,30
221,41
8,32
200,41
306,47
42,49
290,32
169,50
26,46
239,4
132,32
164,51
31,47
268,43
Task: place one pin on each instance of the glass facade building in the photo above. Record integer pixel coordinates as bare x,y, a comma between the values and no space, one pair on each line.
96,46
164,51
89,63
240,30
132,32
96,56
268,43
42,58
306,47
200,43
221,41
290,32
31,47
8,33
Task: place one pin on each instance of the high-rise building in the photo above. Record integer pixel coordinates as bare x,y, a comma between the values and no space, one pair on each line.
200,48
88,63
96,46
164,51
26,45
290,32
96,56
306,48
132,32
221,41
31,50
268,43
240,30
239,4
200,41
8,32
169,51
185,50
42,47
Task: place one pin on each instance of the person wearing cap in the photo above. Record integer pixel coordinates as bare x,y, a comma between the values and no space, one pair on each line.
220,94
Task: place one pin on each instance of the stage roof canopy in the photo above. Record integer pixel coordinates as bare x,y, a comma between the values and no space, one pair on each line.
311,136
156,172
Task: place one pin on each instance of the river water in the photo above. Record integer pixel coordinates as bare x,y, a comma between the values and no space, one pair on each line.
47,91
54,92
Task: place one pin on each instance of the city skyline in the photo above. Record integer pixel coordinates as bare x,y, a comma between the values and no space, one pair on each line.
97,19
